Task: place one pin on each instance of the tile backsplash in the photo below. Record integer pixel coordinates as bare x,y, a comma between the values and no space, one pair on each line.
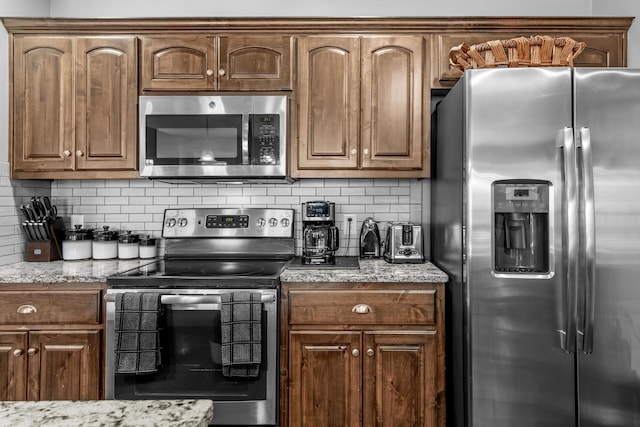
138,205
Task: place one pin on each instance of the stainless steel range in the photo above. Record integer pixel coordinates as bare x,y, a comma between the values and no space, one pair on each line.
203,321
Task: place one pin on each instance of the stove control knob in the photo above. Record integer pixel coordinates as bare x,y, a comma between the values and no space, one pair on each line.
285,222
273,222
260,222
171,222
182,222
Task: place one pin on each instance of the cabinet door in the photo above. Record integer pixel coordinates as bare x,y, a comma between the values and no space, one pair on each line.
328,122
106,100
325,379
64,365
179,62
399,378
13,365
255,63
42,103
392,115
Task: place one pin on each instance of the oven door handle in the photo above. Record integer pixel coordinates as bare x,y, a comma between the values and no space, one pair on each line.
191,299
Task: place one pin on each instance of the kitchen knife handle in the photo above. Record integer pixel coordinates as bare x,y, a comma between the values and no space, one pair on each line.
570,247
589,234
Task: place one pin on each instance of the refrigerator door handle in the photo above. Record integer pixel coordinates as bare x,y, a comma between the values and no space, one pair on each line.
589,235
570,248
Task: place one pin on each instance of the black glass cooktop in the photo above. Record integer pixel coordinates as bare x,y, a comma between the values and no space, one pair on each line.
201,272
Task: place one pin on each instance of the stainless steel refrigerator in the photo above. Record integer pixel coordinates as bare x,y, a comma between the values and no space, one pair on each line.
535,216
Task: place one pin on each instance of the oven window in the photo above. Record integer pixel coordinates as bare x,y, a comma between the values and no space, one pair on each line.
194,139
191,363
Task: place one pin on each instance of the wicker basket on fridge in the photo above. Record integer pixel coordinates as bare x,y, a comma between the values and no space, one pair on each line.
535,51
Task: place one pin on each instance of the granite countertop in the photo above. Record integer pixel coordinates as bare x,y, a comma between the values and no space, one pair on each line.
107,413
90,271
66,271
371,270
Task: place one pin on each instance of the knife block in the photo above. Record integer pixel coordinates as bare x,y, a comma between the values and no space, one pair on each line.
41,251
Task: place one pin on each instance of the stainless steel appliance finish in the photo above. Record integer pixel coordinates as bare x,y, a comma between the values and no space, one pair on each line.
556,346
232,137
370,239
403,243
209,252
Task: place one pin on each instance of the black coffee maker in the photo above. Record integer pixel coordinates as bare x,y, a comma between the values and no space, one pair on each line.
319,233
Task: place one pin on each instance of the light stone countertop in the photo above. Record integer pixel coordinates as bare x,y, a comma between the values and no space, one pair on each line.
107,413
66,271
90,271
371,270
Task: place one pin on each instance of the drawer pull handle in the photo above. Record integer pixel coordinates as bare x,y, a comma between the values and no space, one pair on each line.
27,309
18,352
361,309
32,351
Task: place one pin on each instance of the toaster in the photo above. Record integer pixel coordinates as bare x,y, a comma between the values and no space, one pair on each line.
403,243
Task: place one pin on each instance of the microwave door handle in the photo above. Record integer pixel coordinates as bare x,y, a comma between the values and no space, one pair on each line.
246,134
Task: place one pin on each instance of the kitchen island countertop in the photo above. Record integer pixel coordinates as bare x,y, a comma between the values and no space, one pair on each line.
107,413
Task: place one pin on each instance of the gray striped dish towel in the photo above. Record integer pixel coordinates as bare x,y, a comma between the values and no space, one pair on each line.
241,323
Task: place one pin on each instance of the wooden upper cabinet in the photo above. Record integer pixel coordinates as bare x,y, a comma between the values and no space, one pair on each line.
329,102
95,77
361,107
106,101
392,122
202,62
42,103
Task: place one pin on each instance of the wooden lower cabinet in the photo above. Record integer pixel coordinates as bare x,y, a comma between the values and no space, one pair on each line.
357,365
56,360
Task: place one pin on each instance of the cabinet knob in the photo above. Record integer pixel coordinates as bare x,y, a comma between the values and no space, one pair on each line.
370,352
67,153
355,352
209,73
221,72
32,351
361,309
354,152
366,151
79,153
18,352
27,309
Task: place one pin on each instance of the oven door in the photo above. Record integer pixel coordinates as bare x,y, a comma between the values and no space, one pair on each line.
191,366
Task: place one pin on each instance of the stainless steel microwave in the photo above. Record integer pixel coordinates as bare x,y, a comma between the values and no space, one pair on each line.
221,137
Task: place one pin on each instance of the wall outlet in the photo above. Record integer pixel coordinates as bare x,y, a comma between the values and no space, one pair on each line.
349,225
75,220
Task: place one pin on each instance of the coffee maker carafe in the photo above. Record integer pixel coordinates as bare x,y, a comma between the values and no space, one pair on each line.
319,233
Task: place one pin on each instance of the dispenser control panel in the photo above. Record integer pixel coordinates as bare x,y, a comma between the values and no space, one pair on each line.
521,197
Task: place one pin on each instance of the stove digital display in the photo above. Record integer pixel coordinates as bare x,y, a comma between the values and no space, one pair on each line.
227,221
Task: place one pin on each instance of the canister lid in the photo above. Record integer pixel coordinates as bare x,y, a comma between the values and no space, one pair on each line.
105,234
147,240
129,238
78,233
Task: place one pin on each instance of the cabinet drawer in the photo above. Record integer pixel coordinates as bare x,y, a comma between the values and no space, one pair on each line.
378,307
49,307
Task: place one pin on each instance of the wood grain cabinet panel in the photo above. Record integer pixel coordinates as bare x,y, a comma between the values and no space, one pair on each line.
379,366
94,76
47,356
207,62
361,107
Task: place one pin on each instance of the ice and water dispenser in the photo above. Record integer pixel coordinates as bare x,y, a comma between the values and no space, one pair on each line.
521,226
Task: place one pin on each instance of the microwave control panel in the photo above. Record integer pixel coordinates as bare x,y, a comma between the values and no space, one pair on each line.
265,139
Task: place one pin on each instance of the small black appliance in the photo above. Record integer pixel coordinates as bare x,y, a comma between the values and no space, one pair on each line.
369,239
320,235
